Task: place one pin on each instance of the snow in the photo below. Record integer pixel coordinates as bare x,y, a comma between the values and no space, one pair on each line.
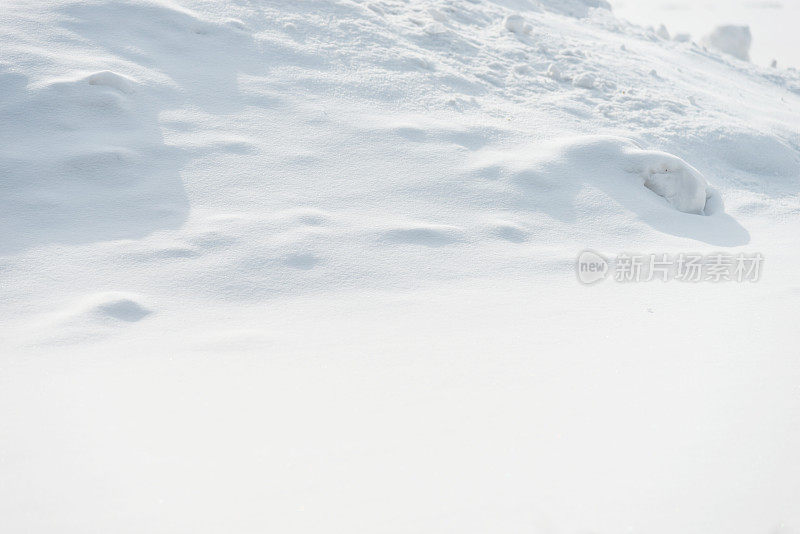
733,40
303,266
772,23
564,165
585,80
516,24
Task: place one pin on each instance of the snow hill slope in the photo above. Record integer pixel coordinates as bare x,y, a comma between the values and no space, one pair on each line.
302,266
384,125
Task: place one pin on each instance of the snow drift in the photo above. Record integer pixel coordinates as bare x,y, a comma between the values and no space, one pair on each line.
608,162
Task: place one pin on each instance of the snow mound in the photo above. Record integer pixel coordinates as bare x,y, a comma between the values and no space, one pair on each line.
83,159
104,308
617,166
585,80
672,178
118,306
516,24
732,40
111,79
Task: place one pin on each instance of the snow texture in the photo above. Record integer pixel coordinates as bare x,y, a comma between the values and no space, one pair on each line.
281,266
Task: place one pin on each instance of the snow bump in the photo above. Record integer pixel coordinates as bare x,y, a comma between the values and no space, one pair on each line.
113,80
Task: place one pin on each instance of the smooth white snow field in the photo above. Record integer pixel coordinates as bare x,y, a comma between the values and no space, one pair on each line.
302,267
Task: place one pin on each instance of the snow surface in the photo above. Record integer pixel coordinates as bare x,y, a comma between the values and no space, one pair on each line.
309,266
773,23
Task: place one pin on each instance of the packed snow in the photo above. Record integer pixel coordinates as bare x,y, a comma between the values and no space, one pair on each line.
311,266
